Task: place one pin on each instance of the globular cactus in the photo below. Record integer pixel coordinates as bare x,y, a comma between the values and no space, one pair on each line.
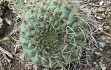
53,33
18,4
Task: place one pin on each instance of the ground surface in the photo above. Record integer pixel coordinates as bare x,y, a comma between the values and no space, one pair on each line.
97,56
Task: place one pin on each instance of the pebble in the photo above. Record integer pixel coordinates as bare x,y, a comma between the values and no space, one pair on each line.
101,10
102,44
101,3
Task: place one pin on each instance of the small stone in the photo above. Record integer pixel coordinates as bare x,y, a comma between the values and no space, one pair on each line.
103,15
97,53
103,38
103,67
98,17
8,21
100,10
107,41
101,3
107,27
102,44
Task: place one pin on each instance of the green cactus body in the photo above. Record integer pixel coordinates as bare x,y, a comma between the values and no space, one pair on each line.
52,33
18,3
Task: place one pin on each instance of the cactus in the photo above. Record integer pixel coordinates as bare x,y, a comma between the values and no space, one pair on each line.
52,34
18,4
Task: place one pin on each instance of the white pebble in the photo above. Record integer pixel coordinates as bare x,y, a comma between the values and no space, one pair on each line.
101,3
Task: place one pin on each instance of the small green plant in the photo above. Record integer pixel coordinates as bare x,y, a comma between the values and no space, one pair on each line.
52,33
4,39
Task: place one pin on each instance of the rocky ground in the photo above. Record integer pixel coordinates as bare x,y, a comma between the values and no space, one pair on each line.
96,57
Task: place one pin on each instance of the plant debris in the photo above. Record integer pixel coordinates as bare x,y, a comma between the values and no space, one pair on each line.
6,19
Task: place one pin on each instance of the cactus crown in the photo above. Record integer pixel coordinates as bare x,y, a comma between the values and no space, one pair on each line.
52,33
